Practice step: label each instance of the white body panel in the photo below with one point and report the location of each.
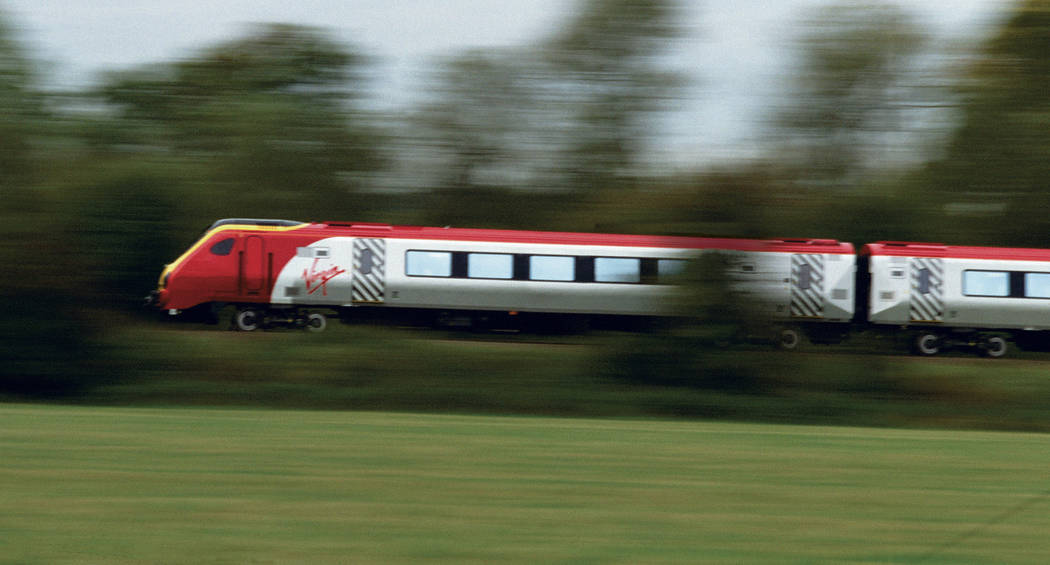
(321, 274)
(527, 296)
(892, 294)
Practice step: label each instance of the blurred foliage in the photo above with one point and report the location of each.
(693, 352)
(990, 184)
(45, 340)
(851, 97)
(100, 188)
(264, 123)
(368, 368)
(567, 119)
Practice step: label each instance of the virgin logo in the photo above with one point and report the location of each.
(318, 279)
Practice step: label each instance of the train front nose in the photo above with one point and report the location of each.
(157, 298)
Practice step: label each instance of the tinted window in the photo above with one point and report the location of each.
(924, 281)
(366, 262)
(986, 283)
(1037, 285)
(805, 277)
(490, 266)
(552, 268)
(669, 268)
(615, 269)
(223, 247)
(428, 263)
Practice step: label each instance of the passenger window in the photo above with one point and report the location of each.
(490, 266)
(986, 283)
(428, 264)
(668, 269)
(223, 247)
(615, 269)
(1037, 285)
(552, 268)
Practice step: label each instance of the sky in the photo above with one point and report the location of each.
(735, 54)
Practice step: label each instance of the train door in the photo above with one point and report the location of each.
(927, 290)
(369, 271)
(253, 265)
(807, 285)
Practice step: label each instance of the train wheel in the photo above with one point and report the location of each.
(789, 339)
(248, 320)
(927, 344)
(994, 347)
(316, 322)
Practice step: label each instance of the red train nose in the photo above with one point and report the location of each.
(160, 298)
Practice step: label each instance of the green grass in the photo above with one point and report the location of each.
(132, 485)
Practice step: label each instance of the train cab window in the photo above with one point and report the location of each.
(552, 268)
(490, 266)
(986, 283)
(1037, 285)
(223, 247)
(617, 269)
(428, 264)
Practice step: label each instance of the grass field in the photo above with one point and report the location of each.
(125, 485)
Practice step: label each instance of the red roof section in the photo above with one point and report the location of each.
(329, 229)
(916, 249)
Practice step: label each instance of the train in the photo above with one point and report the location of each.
(289, 273)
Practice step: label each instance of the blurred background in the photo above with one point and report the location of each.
(127, 129)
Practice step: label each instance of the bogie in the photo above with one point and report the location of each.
(928, 343)
(251, 318)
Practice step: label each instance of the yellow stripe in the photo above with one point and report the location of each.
(229, 227)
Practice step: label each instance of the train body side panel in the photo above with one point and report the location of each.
(965, 282)
(317, 273)
(890, 296)
(408, 291)
(977, 293)
(840, 273)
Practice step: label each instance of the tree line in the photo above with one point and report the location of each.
(880, 134)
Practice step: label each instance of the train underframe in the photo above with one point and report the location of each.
(787, 335)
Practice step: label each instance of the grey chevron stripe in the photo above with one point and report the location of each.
(927, 290)
(807, 286)
(369, 265)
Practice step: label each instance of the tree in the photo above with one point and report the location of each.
(20, 107)
(607, 62)
(547, 126)
(268, 122)
(44, 339)
(853, 100)
(991, 182)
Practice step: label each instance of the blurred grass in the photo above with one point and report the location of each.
(386, 369)
(132, 485)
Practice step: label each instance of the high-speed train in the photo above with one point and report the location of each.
(281, 272)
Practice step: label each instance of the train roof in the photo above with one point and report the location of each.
(919, 249)
(349, 229)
